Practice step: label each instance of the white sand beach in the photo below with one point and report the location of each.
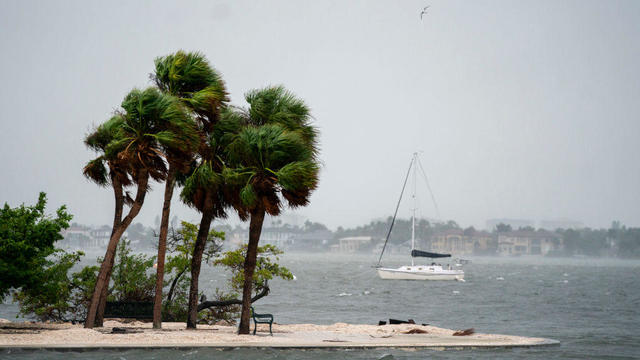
(291, 335)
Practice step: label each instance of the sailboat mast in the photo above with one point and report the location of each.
(413, 219)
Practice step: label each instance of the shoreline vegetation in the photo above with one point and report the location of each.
(135, 334)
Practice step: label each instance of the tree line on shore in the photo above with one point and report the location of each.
(615, 241)
(48, 284)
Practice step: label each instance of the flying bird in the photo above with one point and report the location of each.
(424, 11)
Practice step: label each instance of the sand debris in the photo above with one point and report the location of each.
(465, 332)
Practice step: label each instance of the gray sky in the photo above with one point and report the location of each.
(522, 109)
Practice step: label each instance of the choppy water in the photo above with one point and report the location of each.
(592, 306)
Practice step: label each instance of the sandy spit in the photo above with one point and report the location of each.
(289, 335)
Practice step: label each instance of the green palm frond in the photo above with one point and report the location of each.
(267, 146)
(208, 100)
(104, 134)
(168, 139)
(298, 175)
(156, 127)
(184, 74)
(248, 196)
(236, 177)
(275, 104)
(203, 179)
(114, 148)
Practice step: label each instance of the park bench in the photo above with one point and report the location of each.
(261, 319)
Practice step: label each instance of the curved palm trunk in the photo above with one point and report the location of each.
(255, 228)
(162, 247)
(107, 263)
(196, 261)
(117, 219)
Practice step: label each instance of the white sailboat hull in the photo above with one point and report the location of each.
(420, 273)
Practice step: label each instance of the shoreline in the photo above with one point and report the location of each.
(68, 337)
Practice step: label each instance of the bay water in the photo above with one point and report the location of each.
(592, 306)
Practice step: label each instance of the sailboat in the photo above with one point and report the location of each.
(431, 271)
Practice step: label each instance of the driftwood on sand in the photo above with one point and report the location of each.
(464, 332)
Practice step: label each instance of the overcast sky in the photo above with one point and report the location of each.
(525, 109)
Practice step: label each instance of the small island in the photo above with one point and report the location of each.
(175, 335)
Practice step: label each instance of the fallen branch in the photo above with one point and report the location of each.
(464, 332)
(207, 304)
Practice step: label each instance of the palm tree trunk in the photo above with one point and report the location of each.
(117, 219)
(162, 247)
(255, 228)
(107, 263)
(196, 260)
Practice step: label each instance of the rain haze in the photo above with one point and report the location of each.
(520, 109)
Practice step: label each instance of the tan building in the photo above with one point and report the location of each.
(516, 243)
(456, 242)
(451, 242)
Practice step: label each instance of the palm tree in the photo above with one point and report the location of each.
(104, 171)
(137, 145)
(201, 89)
(188, 77)
(273, 158)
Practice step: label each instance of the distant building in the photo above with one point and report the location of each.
(514, 223)
(101, 235)
(516, 243)
(84, 237)
(311, 240)
(278, 237)
(76, 236)
(451, 241)
(456, 242)
(561, 224)
(285, 238)
(354, 243)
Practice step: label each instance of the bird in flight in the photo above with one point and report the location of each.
(424, 11)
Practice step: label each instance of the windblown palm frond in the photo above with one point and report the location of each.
(183, 72)
(96, 171)
(205, 190)
(100, 141)
(269, 160)
(154, 124)
(276, 105)
(191, 78)
(104, 134)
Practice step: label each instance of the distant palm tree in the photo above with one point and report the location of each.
(138, 143)
(272, 157)
(201, 89)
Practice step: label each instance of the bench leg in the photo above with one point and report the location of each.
(255, 327)
(270, 329)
